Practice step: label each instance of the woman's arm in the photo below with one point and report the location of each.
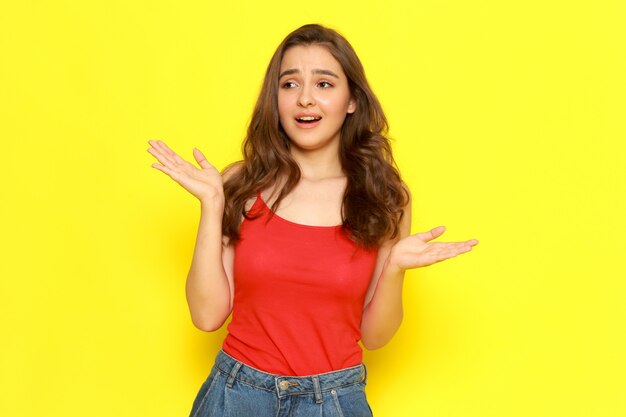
(383, 312)
(209, 286)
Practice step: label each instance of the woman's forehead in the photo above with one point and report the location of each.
(309, 58)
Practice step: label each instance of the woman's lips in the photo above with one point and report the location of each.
(307, 125)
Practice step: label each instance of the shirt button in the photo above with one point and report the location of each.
(283, 385)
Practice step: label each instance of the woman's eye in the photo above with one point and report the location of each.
(291, 84)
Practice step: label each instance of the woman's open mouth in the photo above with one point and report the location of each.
(307, 122)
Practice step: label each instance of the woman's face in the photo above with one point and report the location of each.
(313, 97)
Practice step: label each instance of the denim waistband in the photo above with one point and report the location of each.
(288, 385)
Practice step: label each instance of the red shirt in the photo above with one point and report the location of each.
(299, 295)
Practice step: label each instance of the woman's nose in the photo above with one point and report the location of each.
(305, 98)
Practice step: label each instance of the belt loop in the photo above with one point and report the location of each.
(317, 389)
(364, 377)
(233, 372)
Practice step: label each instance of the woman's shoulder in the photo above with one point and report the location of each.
(407, 190)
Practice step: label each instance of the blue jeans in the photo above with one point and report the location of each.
(234, 389)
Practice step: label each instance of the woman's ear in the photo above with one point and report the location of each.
(351, 105)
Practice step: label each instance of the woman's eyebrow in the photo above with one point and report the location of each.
(315, 71)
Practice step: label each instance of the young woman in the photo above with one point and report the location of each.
(306, 240)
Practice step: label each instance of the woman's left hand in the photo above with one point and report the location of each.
(415, 251)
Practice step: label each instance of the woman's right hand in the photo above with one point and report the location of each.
(204, 183)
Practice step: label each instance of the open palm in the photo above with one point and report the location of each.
(417, 251)
(204, 183)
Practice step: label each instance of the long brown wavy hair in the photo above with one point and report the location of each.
(375, 196)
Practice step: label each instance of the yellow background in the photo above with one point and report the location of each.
(508, 126)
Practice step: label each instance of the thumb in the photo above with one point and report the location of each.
(432, 234)
(201, 159)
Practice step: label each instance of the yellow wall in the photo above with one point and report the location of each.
(508, 120)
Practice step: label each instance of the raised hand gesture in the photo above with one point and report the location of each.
(415, 251)
(204, 183)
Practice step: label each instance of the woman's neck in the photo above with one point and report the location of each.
(318, 164)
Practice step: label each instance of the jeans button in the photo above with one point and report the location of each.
(283, 385)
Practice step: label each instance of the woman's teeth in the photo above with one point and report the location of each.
(308, 119)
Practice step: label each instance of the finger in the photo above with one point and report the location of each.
(432, 234)
(463, 249)
(160, 150)
(459, 247)
(458, 251)
(162, 168)
(442, 256)
(163, 159)
(448, 250)
(465, 246)
(173, 174)
(445, 255)
(166, 149)
(170, 153)
(156, 145)
(455, 245)
(174, 159)
(202, 161)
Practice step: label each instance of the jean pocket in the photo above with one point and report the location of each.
(203, 394)
(351, 401)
